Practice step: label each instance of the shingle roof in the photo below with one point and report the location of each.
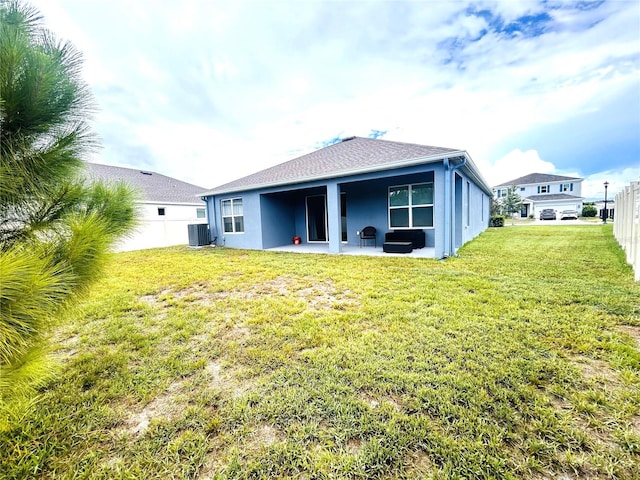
(153, 186)
(533, 178)
(553, 196)
(352, 155)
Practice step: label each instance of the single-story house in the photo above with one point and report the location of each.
(611, 208)
(166, 207)
(540, 191)
(330, 195)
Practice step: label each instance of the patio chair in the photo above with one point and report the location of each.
(368, 233)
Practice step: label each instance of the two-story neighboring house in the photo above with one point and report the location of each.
(540, 190)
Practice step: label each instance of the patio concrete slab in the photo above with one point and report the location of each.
(353, 250)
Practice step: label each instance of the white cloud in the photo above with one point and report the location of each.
(593, 185)
(209, 92)
(510, 10)
(516, 164)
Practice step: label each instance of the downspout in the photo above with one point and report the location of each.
(449, 205)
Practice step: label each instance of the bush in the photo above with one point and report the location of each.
(589, 211)
(497, 221)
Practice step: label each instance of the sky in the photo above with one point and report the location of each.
(210, 91)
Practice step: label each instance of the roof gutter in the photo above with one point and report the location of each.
(473, 172)
(354, 171)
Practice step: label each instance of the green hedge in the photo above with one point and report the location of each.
(589, 211)
(497, 221)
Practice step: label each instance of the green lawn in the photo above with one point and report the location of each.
(519, 359)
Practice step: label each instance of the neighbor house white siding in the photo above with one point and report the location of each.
(155, 230)
(541, 195)
(557, 205)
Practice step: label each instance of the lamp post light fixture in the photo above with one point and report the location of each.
(605, 214)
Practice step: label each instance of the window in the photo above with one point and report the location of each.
(161, 211)
(232, 216)
(411, 206)
(566, 187)
(522, 189)
(201, 213)
(544, 189)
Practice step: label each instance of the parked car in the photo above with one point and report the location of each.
(569, 214)
(548, 214)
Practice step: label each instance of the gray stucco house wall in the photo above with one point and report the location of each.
(329, 195)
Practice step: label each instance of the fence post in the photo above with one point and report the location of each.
(627, 225)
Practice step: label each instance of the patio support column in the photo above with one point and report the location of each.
(334, 222)
(447, 208)
(450, 192)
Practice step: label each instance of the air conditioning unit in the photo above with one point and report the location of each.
(198, 234)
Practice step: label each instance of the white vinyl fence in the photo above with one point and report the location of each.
(627, 225)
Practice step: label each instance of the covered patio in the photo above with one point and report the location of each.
(427, 252)
(325, 199)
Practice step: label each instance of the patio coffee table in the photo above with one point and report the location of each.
(397, 247)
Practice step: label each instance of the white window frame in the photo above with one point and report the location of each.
(201, 212)
(233, 216)
(410, 205)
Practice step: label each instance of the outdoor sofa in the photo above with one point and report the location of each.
(403, 241)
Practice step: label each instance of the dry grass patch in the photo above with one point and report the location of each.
(227, 380)
(154, 299)
(167, 406)
(635, 424)
(265, 436)
(212, 467)
(68, 346)
(380, 401)
(633, 331)
(597, 370)
(419, 465)
(321, 295)
(237, 333)
(354, 446)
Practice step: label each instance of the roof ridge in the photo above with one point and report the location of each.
(357, 155)
(406, 143)
(533, 178)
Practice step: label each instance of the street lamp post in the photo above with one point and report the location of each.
(605, 213)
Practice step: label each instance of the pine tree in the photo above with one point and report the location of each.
(56, 228)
